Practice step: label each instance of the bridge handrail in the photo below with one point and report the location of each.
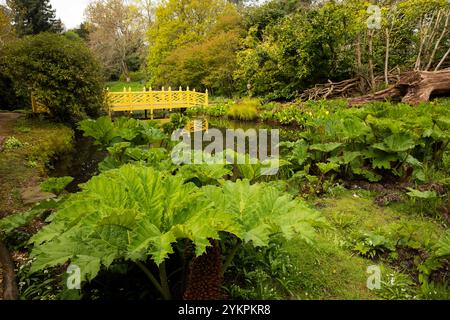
(153, 100)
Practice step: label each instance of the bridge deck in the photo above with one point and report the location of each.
(155, 100)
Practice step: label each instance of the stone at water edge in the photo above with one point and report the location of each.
(34, 194)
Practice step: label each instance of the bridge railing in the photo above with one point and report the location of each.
(156, 100)
(38, 107)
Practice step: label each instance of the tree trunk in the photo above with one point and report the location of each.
(359, 68)
(386, 61)
(438, 42)
(413, 88)
(442, 60)
(205, 279)
(371, 65)
(10, 291)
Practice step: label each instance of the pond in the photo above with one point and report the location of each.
(82, 163)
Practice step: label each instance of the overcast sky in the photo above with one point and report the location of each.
(70, 11)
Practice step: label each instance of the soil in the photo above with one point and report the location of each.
(7, 121)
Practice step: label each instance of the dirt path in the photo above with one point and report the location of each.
(8, 287)
(7, 121)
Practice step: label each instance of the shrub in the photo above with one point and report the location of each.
(13, 143)
(61, 73)
(291, 115)
(246, 110)
(219, 110)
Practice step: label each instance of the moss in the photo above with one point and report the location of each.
(351, 214)
(331, 269)
(26, 166)
(328, 271)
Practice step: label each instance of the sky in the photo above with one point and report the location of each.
(71, 12)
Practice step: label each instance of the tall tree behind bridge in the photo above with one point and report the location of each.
(179, 23)
(6, 30)
(33, 17)
(116, 35)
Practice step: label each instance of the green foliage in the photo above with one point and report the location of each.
(398, 286)
(107, 133)
(246, 110)
(56, 185)
(119, 86)
(209, 63)
(62, 74)
(135, 77)
(287, 52)
(137, 213)
(369, 142)
(266, 273)
(205, 174)
(290, 115)
(421, 195)
(179, 120)
(371, 245)
(443, 246)
(33, 17)
(262, 211)
(13, 143)
(219, 110)
(12, 222)
(195, 49)
(266, 116)
(193, 112)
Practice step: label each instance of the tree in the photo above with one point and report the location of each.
(7, 33)
(61, 73)
(209, 64)
(116, 35)
(33, 17)
(180, 23)
(295, 51)
(82, 31)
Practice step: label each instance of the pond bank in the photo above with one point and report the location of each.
(27, 146)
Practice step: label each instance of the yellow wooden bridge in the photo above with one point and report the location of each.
(131, 101)
(150, 101)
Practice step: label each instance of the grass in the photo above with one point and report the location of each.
(331, 268)
(246, 110)
(26, 165)
(118, 86)
(328, 272)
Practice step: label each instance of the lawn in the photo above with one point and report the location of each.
(118, 86)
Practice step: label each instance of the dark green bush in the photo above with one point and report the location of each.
(61, 73)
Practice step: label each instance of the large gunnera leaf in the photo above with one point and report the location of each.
(260, 211)
(135, 213)
(129, 213)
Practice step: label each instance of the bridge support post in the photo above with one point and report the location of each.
(170, 99)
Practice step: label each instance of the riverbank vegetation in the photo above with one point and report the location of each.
(359, 187)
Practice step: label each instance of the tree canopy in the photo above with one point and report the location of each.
(33, 16)
(60, 72)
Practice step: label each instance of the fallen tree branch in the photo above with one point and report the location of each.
(413, 87)
(346, 88)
